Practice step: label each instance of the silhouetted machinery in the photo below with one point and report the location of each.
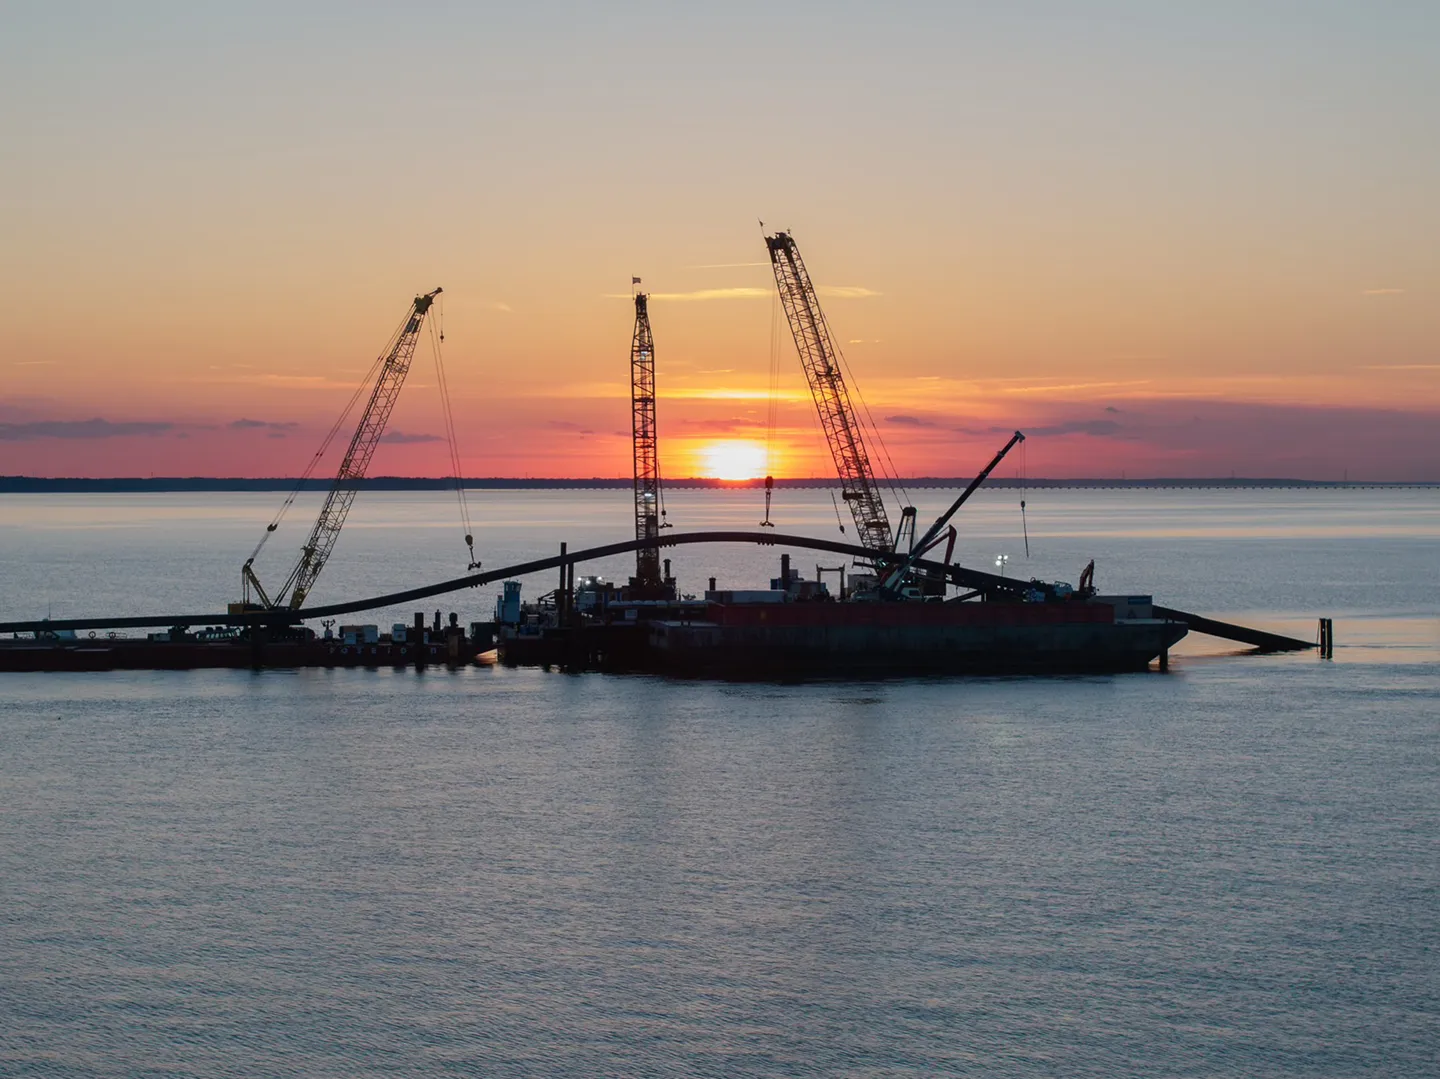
(821, 361)
(844, 429)
(648, 582)
(394, 365)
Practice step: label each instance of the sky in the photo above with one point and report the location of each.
(1162, 239)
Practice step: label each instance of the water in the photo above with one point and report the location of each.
(1230, 870)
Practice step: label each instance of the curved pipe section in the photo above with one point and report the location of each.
(973, 579)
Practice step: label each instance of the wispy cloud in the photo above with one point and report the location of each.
(1383, 292)
(256, 425)
(404, 438)
(80, 429)
(497, 305)
(584, 390)
(31, 363)
(749, 292)
(733, 425)
(743, 292)
(737, 293)
(1401, 367)
(294, 382)
(909, 421)
(725, 265)
(698, 393)
(864, 341)
(1071, 386)
(1098, 428)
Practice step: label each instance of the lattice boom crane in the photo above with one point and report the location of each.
(649, 510)
(821, 360)
(394, 366)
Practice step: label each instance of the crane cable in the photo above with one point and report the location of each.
(773, 405)
(890, 472)
(659, 481)
(1024, 477)
(660, 489)
(324, 446)
(437, 337)
(817, 424)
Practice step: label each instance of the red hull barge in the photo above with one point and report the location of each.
(769, 640)
(786, 640)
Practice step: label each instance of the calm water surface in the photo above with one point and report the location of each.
(1229, 870)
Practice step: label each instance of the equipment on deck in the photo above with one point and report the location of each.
(896, 576)
(394, 365)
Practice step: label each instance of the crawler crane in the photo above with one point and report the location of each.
(394, 365)
(649, 499)
(843, 429)
(821, 361)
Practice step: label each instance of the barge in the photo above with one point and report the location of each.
(779, 639)
(798, 629)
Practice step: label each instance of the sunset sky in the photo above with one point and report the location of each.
(1163, 239)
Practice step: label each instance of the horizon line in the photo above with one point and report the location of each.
(19, 483)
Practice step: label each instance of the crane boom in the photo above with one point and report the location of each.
(393, 369)
(647, 461)
(821, 361)
(896, 576)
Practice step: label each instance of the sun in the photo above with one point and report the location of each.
(733, 459)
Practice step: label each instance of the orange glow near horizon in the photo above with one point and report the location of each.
(731, 459)
(1139, 295)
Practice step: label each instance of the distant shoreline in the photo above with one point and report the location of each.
(174, 484)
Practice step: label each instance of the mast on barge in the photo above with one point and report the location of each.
(649, 499)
